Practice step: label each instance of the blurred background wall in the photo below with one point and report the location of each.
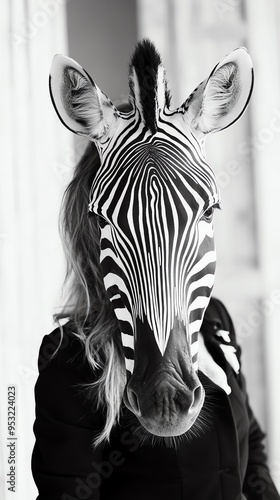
(38, 156)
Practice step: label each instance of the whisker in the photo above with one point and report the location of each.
(205, 420)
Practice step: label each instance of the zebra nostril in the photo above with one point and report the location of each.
(134, 403)
(197, 397)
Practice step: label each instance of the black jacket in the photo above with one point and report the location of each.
(225, 462)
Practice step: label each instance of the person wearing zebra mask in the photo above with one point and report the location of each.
(140, 395)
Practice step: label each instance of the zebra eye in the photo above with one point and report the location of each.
(208, 214)
(102, 221)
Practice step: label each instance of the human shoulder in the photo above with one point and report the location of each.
(60, 346)
(218, 316)
(62, 361)
(68, 419)
(219, 336)
(64, 376)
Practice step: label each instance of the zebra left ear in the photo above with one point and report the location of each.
(223, 97)
(79, 103)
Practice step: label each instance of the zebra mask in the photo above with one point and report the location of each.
(154, 195)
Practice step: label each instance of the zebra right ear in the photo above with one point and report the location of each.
(223, 97)
(79, 103)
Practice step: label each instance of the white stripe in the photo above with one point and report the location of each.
(123, 315)
(194, 327)
(127, 340)
(195, 366)
(115, 297)
(129, 364)
(199, 303)
(107, 252)
(208, 258)
(194, 348)
(207, 280)
(113, 279)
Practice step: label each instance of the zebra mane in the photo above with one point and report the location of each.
(148, 84)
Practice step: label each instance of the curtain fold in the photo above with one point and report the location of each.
(34, 168)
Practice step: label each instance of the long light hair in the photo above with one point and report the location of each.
(87, 305)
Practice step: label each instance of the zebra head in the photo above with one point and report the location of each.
(154, 195)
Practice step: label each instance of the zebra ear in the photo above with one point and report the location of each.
(223, 97)
(79, 103)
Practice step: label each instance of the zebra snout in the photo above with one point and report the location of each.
(167, 408)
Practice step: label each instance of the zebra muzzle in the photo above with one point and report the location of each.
(164, 392)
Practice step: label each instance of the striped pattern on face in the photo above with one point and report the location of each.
(157, 249)
(154, 194)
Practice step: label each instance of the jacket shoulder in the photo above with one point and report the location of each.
(64, 373)
(220, 337)
(67, 418)
(218, 316)
(59, 346)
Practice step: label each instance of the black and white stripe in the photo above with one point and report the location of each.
(154, 187)
(157, 254)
